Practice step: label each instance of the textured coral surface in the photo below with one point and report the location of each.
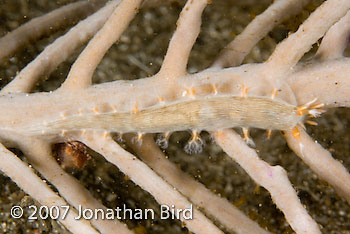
(139, 54)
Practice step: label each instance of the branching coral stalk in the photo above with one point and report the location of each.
(117, 93)
(283, 59)
(91, 109)
(335, 41)
(67, 186)
(321, 162)
(44, 25)
(234, 52)
(37, 188)
(188, 27)
(273, 178)
(327, 78)
(59, 51)
(80, 75)
(137, 170)
(231, 217)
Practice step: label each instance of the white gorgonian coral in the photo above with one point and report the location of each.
(33, 121)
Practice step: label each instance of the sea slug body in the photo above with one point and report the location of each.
(209, 113)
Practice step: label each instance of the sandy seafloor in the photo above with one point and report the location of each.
(145, 43)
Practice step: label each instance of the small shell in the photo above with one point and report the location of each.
(71, 155)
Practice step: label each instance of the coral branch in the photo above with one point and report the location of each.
(310, 82)
(58, 51)
(44, 25)
(26, 179)
(321, 162)
(41, 159)
(117, 93)
(273, 178)
(174, 100)
(137, 171)
(283, 58)
(336, 40)
(80, 75)
(231, 217)
(234, 53)
(188, 27)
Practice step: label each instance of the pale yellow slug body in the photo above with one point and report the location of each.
(210, 113)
